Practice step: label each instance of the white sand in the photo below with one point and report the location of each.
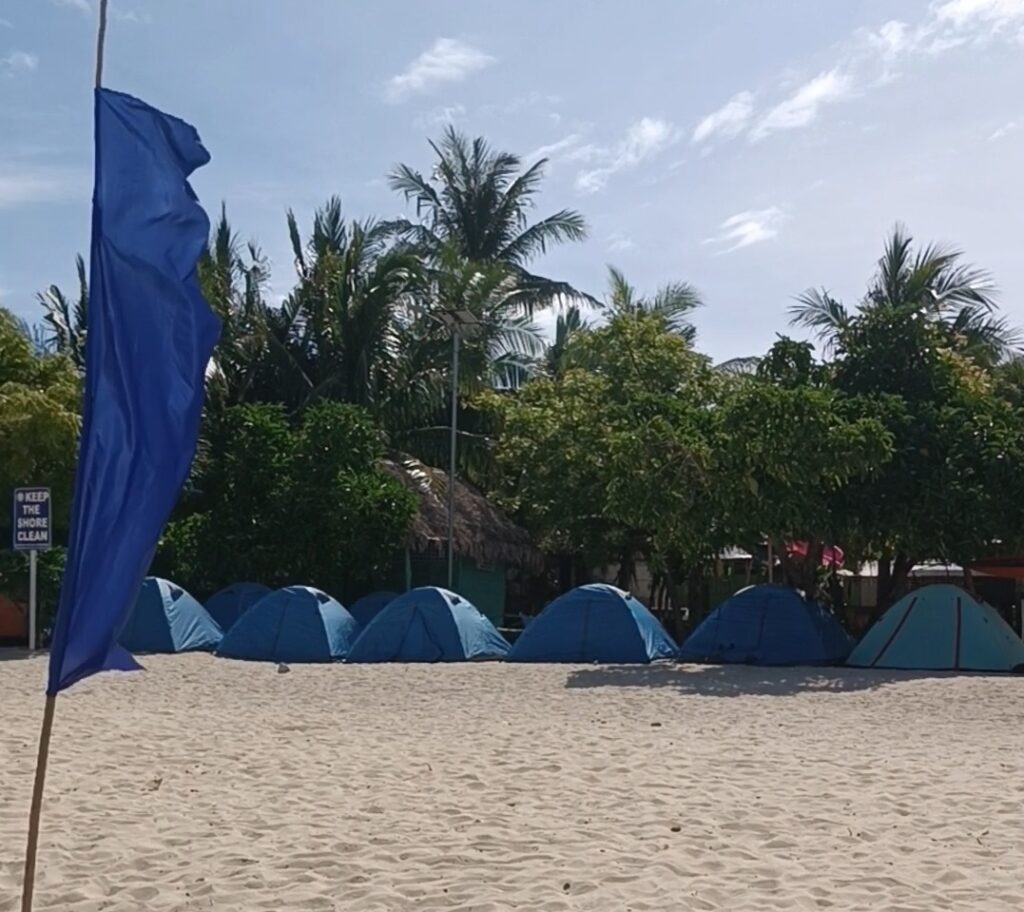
(208, 784)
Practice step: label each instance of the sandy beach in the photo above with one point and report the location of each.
(210, 784)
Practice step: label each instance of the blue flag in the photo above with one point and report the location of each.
(150, 336)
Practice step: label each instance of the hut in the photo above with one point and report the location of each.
(488, 545)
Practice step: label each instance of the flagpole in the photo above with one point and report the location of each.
(28, 884)
(50, 706)
(101, 35)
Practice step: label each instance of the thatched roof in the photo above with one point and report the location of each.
(482, 531)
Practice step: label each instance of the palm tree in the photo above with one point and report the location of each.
(339, 334)
(233, 278)
(674, 303)
(569, 325)
(66, 319)
(930, 283)
(476, 201)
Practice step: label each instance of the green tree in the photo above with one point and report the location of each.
(610, 461)
(787, 448)
(39, 423)
(674, 303)
(283, 504)
(477, 202)
(919, 354)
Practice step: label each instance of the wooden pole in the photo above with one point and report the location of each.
(101, 35)
(28, 884)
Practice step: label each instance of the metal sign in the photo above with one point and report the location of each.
(31, 525)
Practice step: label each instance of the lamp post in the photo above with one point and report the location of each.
(457, 321)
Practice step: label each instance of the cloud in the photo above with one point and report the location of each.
(437, 118)
(995, 15)
(6, 23)
(643, 140)
(1006, 129)
(802, 107)
(18, 62)
(128, 15)
(82, 6)
(619, 242)
(746, 228)
(558, 149)
(891, 39)
(954, 23)
(729, 120)
(22, 185)
(447, 60)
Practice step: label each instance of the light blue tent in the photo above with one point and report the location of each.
(940, 628)
(428, 625)
(768, 625)
(594, 623)
(228, 605)
(294, 624)
(167, 619)
(365, 609)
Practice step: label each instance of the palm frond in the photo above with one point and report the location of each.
(819, 312)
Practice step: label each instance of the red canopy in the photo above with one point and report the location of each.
(831, 555)
(1003, 567)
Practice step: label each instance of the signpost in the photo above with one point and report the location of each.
(33, 532)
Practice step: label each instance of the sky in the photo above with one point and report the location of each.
(752, 149)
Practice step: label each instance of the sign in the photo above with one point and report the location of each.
(31, 523)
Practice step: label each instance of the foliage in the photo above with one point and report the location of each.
(284, 504)
(610, 459)
(476, 202)
(39, 401)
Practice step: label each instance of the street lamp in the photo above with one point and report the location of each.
(456, 320)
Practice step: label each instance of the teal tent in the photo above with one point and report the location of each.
(365, 609)
(940, 628)
(167, 619)
(228, 605)
(768, 625)
(594, 623)
(294, 624)
(428, 625)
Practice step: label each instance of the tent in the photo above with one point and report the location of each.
(167, 619)
(228, 605)
(428, 625)
(594, 623)
(768, 625)
(365, 609)
(940, 628)
(294, 624)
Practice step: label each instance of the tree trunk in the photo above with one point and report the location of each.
(675, 609)
(893, 579)
(694, 602)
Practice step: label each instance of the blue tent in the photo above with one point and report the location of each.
(428, 625)
(228, 605)
(365, 609)
(595, 623)
(768, 625)
(167, 619)
(294, 624)
(940, 628)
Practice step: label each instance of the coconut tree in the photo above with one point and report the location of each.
(65, 319)
(674, 303)
(931, 283)
(338, 334)
(476, 201)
